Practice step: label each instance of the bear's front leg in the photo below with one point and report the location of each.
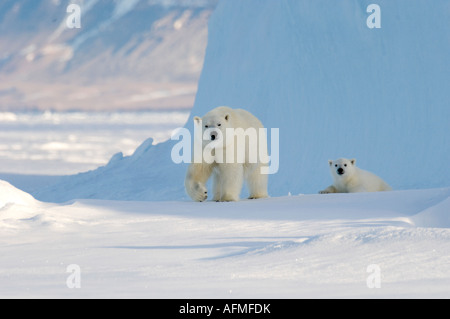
(229, 179)
(328, 190)
(197, 191)
(195, 181)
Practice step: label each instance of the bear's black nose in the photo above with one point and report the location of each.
(340, 171)
(213, 137)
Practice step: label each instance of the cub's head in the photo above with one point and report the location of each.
(342, 167)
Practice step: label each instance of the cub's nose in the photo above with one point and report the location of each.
(340, 171)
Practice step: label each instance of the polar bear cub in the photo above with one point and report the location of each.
(350, 179)
(229, 162)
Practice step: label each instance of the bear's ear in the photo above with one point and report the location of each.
(330, 162)
(353, 161)
(226, 117)
(197, 120)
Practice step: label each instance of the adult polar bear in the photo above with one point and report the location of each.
(351, 179)
(231, 158)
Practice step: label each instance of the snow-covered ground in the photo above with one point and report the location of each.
(368, 245)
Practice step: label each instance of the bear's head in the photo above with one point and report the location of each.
(342, 167)
(214, 124)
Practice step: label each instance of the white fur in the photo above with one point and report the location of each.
(353, 179)
(228, 178)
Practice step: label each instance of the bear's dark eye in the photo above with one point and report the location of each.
(206, 126)
(335, 165)
(345, 165)
(219, 124)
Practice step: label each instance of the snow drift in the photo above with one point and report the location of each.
(307, 246)
(9, 195)
(17, 206)
(333, 87)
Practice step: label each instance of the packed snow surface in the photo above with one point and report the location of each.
(286, 247)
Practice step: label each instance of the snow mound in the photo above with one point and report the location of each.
(434, 216)
(21, 211)
(9, 195)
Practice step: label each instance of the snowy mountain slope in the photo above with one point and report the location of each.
(122, 51)
(308, 246)
(333, 87)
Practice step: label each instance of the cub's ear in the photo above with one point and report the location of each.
(330, 162)
(353, 161)
(227, 117)
(197, 120)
